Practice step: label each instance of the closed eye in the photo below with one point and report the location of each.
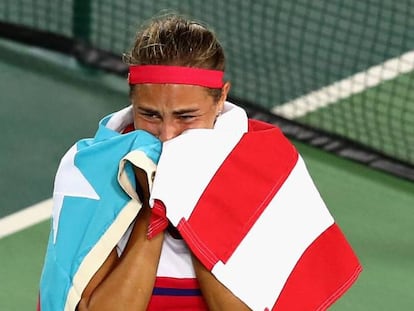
(187, 117)
(150, 115)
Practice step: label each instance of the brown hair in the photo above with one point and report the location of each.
(174, 40)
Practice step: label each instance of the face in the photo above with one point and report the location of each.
(166, 110)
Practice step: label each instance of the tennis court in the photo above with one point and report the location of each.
(344, 67)
(44, 93)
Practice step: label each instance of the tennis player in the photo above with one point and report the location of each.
(228, 216)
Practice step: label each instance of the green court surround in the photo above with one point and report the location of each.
(43, 94)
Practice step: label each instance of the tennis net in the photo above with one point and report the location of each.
(340, 68)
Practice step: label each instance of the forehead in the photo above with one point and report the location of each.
(177, 95)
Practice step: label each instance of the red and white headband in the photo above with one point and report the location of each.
(160, 74)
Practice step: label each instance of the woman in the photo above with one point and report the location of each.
(164, 110)
(170, 257)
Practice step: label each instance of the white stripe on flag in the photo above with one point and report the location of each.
(190, 157)
(294, 218)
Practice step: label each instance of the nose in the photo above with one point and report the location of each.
(168, 130)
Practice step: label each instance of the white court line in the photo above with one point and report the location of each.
(25, 218)
(298, 107)
(354, 84)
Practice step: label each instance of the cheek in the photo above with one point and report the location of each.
(211, 120)
(141, 124)
(206, 122)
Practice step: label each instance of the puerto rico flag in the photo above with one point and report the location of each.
(95, 201)
(239, 194)
(244, 202)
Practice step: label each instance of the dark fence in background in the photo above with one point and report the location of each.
(337, 74)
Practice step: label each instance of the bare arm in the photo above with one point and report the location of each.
(126, 283)
(216, 295)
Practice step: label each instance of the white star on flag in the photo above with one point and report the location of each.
(75, 185)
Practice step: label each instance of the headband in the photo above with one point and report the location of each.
(160, 74)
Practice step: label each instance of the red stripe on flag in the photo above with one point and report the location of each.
(158, 220)
(323, 273)
(238, 193)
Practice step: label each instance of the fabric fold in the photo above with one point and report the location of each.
(95, 202)
(240, 195)
(247, 200)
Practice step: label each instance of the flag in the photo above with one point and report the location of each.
(240, 195)
(94, 203)
(244, 202)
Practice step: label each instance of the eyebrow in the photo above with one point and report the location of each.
(185, 111)
(147, 110)
(176, 112)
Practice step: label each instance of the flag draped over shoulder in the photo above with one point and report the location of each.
(239, 194)
(94, 203)
(248, 209)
